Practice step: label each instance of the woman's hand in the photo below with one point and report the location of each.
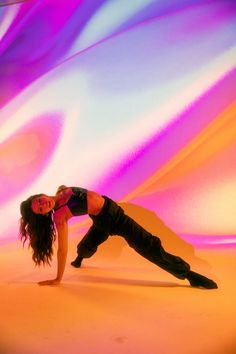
(49, 282)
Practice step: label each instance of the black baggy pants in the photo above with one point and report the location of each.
(113, 221)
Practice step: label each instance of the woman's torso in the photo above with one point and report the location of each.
(75, 201)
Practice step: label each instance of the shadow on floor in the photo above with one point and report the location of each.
(131, 282)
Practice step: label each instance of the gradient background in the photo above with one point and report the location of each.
(134, 99)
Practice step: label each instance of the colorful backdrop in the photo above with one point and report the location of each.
(135, 99)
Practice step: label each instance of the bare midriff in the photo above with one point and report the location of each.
(95, 203)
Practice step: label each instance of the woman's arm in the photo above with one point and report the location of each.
(62, 232)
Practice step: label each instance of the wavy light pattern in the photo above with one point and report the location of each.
(135, 100)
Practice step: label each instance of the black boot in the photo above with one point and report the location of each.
(198, 280)
(77, 262)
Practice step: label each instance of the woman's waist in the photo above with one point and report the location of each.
(95, 202)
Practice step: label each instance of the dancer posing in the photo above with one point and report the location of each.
(44, 217)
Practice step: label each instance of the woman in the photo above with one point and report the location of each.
(43, 217)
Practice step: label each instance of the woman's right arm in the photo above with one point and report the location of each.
(62, 233)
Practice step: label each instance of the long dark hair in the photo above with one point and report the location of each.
(39, 230)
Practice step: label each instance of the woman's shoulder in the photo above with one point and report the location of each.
(61, 188)
(60, 217)
(61, 213)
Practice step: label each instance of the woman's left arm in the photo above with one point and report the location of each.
(62, 232)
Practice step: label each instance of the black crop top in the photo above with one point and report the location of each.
(77, 203)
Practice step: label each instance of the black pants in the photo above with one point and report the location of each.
(113, 221)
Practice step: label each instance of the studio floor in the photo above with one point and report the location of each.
(117, 302)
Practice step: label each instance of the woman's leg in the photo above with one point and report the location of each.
(89, 244)
(114, 221)
(149, 246)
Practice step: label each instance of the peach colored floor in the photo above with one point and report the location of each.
(117, 303)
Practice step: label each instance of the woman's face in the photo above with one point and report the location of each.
(42, 204)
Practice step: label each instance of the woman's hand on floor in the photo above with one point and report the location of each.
(49, 282)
